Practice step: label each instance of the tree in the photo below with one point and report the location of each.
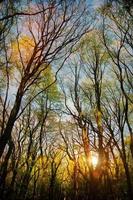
(57, 28)
(118, 45)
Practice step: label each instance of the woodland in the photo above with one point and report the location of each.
(66, 100)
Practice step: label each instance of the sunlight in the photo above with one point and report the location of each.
(94, 160)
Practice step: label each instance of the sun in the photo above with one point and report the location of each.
(94, 160)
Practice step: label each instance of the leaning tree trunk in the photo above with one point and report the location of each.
(12, 118)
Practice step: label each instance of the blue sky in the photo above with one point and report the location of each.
(95, 3)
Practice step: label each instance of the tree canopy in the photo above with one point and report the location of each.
(66, 100)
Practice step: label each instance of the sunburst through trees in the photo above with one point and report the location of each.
(66, 100)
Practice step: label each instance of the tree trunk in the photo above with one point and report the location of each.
(12, 118)
(4, 169)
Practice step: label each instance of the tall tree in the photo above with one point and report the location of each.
(55, 27)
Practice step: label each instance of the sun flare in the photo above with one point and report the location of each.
(94, 160)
